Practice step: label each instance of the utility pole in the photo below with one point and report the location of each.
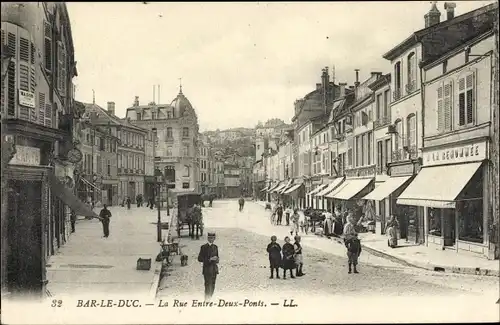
(496, 146)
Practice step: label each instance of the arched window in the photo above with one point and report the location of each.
(411, 127)
(399, 135)
(411, 73)
(397, 80)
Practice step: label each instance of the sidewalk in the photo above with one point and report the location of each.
(430, 258)
(424, 257)
(89, 263)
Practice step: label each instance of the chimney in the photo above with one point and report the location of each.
(136, 101)
(111, 108)
(318, 86)
(342, 88)
(154, 88)
(158, 94)
(433, 17)
(356, 84)
(450, 10)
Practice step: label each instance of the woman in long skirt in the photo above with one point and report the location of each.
(288, 258)
(391, 230)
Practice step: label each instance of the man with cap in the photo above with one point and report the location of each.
(209, 256)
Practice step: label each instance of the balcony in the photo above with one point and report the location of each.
(382, 121)
(405, 154)
(411, 87)
(396, 94)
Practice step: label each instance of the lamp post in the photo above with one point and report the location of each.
(158, 181)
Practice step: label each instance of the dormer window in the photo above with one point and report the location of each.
(139, 116)
(153, 115)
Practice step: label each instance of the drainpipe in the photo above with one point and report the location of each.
(422, 114)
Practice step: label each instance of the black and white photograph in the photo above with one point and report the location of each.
(250, 162)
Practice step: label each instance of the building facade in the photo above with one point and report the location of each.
(177, 132)
(38, 149)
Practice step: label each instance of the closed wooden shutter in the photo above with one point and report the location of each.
(440, 109)
(41, 105)
(11, 74)
(48, 47)
(48, 114)
(469, 83)
(448, 118)
(461, 101)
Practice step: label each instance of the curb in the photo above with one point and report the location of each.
(156, 281)
(428, 266)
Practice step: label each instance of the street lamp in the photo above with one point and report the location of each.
(158, 181)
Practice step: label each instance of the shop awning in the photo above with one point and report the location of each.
(63, 193)
(438, 186)
(317, 189)
(264, 189)
(292, 188)
(286, 187)
(89, 183)
(272, 187)
(386, 188)
(279, 188)
(333, 185)
(350, 188)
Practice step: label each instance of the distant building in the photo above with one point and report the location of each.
(177, 133)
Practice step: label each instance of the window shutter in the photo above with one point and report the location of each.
(48, 115)
(440, 109)
(11, 72)
(24, 50)
(461, 101)
(64, 73)
(33, 53)
(41, 105)
(470, 98)
(48, 46)
(448, 106)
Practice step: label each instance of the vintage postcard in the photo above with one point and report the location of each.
(249, 162)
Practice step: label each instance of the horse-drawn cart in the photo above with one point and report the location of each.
(189, 214)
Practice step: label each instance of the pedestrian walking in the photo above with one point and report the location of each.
(295, 223)
(73, 220)
(209, 256)
(105, 216)
(352, 244)
(241, 203)
(288, 262)
(298, 257)
(279, 213)
(391, 230)
(128, 202)
(138, 200)
(288, 213)
(274, 250)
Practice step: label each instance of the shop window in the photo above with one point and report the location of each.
(434, 224)
(470, 211)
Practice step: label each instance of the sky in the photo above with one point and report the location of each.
(240, 63)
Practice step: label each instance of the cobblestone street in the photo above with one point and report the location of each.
(244, 265)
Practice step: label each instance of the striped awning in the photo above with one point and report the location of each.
(350, 188)
(331, 187)
(317, 189)
(292, 188)
(272, 187)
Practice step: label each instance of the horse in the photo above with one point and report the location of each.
(195, 220)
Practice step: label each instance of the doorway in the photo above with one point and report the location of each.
(449, 227)
(24, 240)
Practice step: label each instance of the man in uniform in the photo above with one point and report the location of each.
(105, 216)
(209, 256)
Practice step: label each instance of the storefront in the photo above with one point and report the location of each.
(410, 217)
(311, 195)
(35, 219)
(292, 193)
(322, 195)
(348, 195)
(452, 187)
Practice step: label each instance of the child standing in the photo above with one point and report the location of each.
(274, 250)
(288, 258)
(298, 256)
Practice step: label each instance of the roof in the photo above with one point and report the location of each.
(433, 31)
(380, 82)
(110, 117)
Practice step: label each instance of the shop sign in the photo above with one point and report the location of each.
(406, 169)
(26, 98)
(455, 155)
(28, 156)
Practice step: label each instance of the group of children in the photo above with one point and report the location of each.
(288, 258)
(298, 219)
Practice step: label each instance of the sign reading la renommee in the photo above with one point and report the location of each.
(455, 155)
